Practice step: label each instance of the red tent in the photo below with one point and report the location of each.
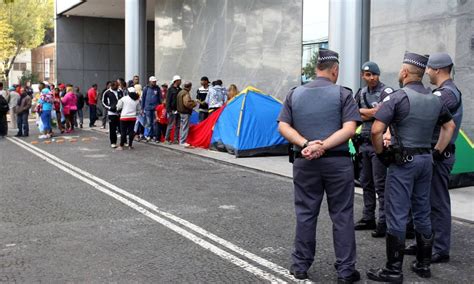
(200, 134)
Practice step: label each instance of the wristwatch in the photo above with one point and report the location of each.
(305, 144)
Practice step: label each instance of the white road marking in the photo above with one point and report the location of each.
(92, 180)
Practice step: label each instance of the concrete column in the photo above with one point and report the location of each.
(135, 40)
(349, 27)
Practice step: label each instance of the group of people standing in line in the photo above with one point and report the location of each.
(407, 148)
(62, 106)
(153, 113)
(147, 113)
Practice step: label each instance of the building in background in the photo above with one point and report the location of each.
(425, 27)
(22, 64)
(260, 43)
(242, 42)
(43, 60)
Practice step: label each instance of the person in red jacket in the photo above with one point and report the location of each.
(162, 120)
(92, 102)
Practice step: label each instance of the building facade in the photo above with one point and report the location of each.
(43, 60)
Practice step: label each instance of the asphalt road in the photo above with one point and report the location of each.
(82, 212)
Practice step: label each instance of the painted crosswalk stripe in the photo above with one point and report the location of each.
(117, 193)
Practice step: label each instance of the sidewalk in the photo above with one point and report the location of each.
(462, 199)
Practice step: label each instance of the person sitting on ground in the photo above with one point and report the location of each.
(232, 91)
(185, 106)
(129, 107)
(217, 96)
(161, 120)
(69, 108)
(22, 111)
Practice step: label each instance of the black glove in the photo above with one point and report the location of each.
(386, 158)
(438, 156)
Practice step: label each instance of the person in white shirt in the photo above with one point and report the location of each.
(129, 107)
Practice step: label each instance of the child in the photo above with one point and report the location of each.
(162, 120)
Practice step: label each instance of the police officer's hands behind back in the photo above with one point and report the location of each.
(314, 150)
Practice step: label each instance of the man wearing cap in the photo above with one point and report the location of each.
(412, 114)
(172, 109)
(201, 95)
(439, 69)
(373, 172)
(318, 118)
(151, 97)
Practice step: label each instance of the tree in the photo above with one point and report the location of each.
(28, 77)
(25, 23)
(309, 69)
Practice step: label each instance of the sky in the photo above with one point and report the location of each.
(315, 19)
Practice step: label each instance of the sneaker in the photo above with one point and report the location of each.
(43, 136)
(185, 145)
(102, 127)
(148, 139)
(80, 125)
(113, 145)
(125, 145)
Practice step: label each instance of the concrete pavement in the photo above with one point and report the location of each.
(462, 199)
(59, 224)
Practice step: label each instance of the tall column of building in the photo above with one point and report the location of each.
(135, 39)
(349, 27)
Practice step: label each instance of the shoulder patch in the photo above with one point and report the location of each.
(437, 93)
(388, 90)
(386, 99)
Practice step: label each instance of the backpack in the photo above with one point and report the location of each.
(4, 108)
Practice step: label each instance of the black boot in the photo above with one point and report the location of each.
(421, 265)
(392, 272)
(380, 231)
(410, 231)
(365, 225)
(411, 249)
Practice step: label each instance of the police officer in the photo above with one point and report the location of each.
(372, 176)
(439, 70)
(412, 114)
(318, 118)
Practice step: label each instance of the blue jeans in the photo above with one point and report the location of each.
(22, 123)
(149, 123)
(79, 113)
(46, 119)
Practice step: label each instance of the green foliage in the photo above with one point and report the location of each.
(24, 25)
(28, 77)
(309, 69)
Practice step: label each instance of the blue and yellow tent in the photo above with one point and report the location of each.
(248, 126)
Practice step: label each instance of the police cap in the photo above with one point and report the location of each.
(371, 67)
(416, 60)
(326, 55)
(439, 60)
